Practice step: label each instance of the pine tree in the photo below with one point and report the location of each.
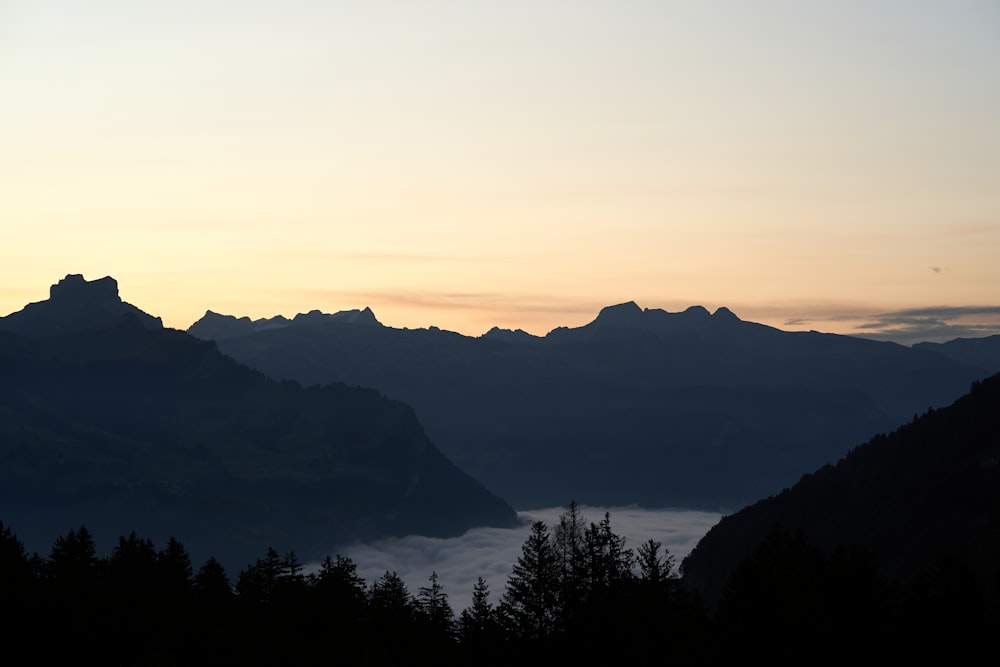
(530, 600)
(569, 540)
(610, 562)
(212, 587)
(72, 601)
(391, 621)
(19, 592)
(436, 611)
(72, 566)
(434, 605)
(174, 566)
(477, 624)
(257, 583)
(655, 568)
(390, 602)
(339, 590)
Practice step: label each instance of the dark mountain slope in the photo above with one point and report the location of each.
(121, 427)
(929, 489)
(692, 409)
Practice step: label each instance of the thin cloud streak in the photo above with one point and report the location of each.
(388, 257)
(490, 552)
(914, 325)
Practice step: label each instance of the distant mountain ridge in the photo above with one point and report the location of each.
(111, 421)
(643, 406)
(215, 326)
(980, 352)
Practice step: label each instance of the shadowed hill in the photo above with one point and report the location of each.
(118, 426)
(930, 489)
(644, 406)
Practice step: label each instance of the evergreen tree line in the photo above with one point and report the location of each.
(575, 592)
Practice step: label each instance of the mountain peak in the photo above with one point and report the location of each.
(696, 311)
(620, 314)
(725, 314)
(75, 287)
(509, 335)
(354, 316)
(75, 304)
(365, 316)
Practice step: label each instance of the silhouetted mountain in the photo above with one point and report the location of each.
(693, 409)
(119, 426)
(213, 326)
(980, 352)
(928, 491)
(75, 304)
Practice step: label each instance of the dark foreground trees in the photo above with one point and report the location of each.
(577, 593)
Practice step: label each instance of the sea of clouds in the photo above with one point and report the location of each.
(490, 552)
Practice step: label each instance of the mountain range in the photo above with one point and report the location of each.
(111, 421)
(640, 406)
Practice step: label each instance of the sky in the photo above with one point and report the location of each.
(809, 165)
(491, 552)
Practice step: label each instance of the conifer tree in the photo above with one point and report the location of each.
(174, 565)
(655, 567)
(340, 590)
(610, 562)
(390, 602)
(211, 585)
(435, 610)
(433, 601)
(569, 541)
(18, 590)
(72, 565)
(391, 621)
(530, 599)
(477, 624)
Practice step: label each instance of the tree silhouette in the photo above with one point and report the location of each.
(530, 601)
(655, 568)
(434, 605)
(572, 562)
(478, 624)
(212, 587)
(19, 594)
(71, 569)
(392, 618)
(339, 593)
(437, 617)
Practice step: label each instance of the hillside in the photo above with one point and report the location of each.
(929, 489)
(113, 423)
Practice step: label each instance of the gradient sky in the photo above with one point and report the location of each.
(811, 165)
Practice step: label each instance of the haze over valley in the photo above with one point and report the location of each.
(330, 331)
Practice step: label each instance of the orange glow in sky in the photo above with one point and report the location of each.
(520, 164)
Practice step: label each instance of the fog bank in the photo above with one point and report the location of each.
(490, 552)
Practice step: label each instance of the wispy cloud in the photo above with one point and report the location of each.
(390, 257)
(914, 325)
(966, 229)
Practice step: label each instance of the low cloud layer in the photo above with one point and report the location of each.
(490, 552)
